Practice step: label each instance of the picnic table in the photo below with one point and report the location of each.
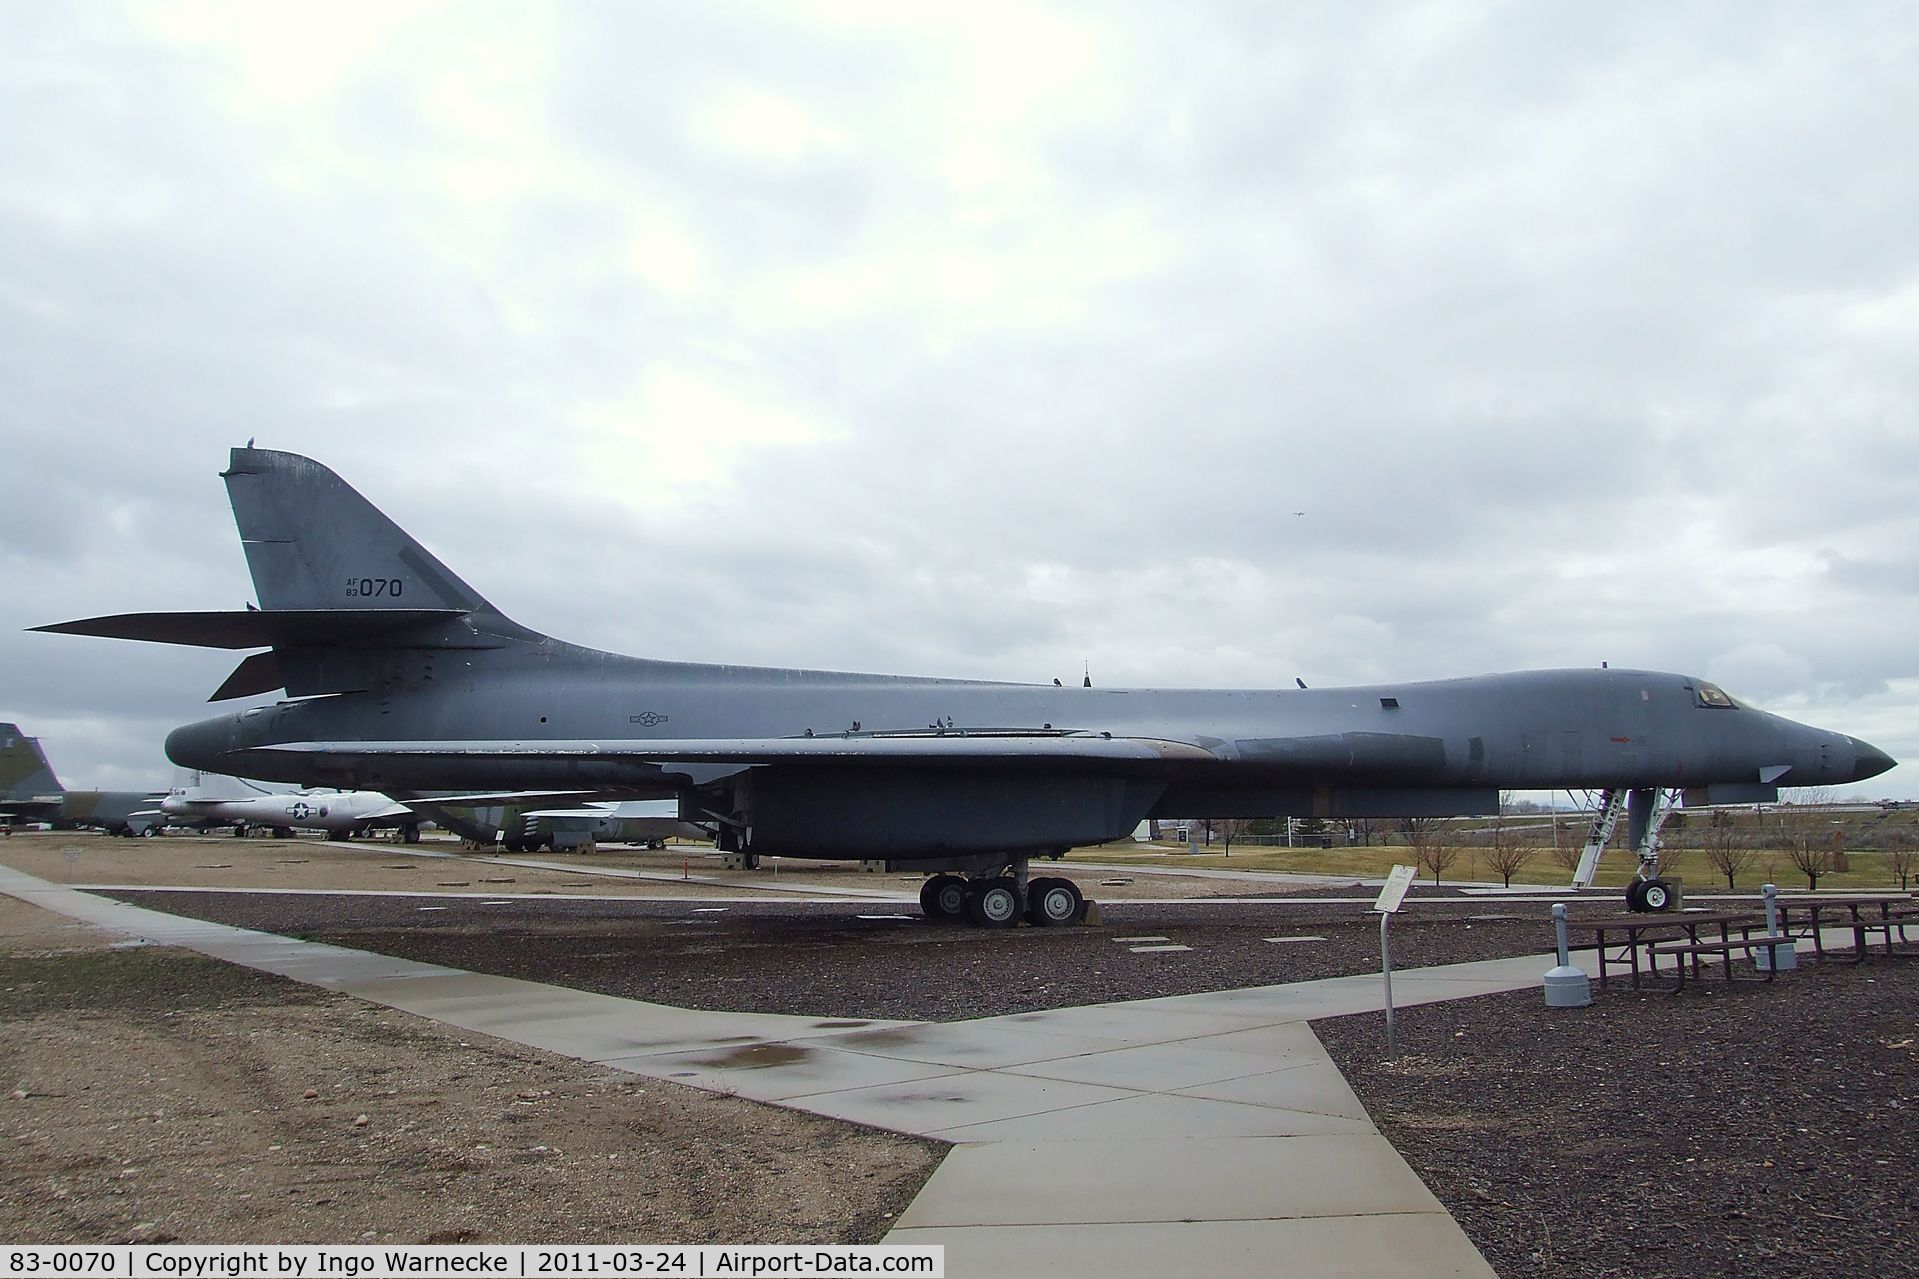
(1881, 913)
(1632, 932)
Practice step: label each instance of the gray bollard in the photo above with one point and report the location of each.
(1780, 958)
(1566, 985)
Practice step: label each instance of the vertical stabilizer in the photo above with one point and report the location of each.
(312, 542)
(24, 771)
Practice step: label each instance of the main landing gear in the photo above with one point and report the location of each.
(1645, 811)
(998, 901)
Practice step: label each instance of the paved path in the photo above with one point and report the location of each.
(1206, 1133)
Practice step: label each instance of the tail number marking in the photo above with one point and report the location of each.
(372, 587)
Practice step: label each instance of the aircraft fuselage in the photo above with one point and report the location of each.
(1446, 746)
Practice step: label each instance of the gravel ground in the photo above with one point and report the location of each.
(155, 1095)
(826, 961)
(439, 866)
(1766, 1130)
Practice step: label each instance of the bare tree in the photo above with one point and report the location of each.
(1435, 844)
(1567, 854)
(1363, 829)
(1904, 856)
(1727, 849)
(1506, 852)
(1229, 828)
(1802, 836)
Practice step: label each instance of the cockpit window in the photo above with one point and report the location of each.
(1713, 697)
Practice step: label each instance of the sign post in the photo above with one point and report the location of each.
(1391, 897)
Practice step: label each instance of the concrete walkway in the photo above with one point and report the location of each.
(1207, 1133)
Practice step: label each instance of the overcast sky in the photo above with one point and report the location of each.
(983, 340)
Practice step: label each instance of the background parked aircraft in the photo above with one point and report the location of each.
(522, 828)
(214, 799)
(29, 792)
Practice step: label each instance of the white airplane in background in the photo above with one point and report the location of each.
(209, 799)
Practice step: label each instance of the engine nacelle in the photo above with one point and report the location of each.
(906, 814)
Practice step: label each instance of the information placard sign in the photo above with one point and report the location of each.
(1394, 891)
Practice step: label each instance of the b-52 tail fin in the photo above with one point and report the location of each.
(24, 771)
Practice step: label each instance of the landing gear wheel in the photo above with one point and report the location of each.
(943, 898)
(1636, 896)
(1655, 894)
(1050, 902)
(993, 903)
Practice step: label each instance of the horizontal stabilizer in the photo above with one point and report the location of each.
(255, 628)
(258, 673)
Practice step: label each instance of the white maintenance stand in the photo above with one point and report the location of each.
(1391, 897)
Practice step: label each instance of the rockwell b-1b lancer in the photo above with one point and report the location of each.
(404, 679)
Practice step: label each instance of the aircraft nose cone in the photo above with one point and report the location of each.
(1869, 760)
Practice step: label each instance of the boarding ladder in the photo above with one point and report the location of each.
(1653, 808)
(1612, 807)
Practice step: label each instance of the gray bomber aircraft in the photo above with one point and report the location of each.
(29, 792)
(404, 679)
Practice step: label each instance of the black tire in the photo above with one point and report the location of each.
(1655, 895)
(1051, 902)
(992, 903)
(943, 898)
(410, 834)
(1636, 896)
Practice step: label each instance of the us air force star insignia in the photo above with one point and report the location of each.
(647, 719)
(300, 809)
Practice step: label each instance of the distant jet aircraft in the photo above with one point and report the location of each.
(212, 800)
(406, 679)
(523, 828)
(29, 792)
